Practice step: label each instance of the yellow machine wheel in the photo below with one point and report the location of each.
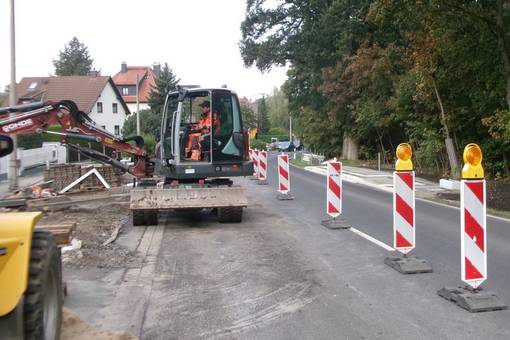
(43, 298)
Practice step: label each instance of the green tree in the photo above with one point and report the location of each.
(278, 111)
(263, 124)
(150, 124)
(166, 82)
(308, 36)
(249, 116)
(74, 60)
(386, 71)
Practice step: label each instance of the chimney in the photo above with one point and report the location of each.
(93, 73)
(156, 67)
(123, 67)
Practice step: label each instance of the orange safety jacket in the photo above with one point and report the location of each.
(204, 124)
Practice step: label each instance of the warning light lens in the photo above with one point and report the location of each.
(404, 152)
(472, 154)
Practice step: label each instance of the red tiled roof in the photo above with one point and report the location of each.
(83, 90)
(146, 77)
(129, 77)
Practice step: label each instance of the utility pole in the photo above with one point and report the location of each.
(290, 126)
(137, 108)
(13, 159)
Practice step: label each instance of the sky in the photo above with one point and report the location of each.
(197, 38)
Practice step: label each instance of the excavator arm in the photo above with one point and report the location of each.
(76, 125)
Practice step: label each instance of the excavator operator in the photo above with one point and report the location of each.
(199, 137)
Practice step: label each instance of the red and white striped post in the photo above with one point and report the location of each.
(473, 217)
(473, 247)
(404, 232)
(473, 239)
(262, 168)
(404, 215)
(283, 178)
(334, 195)
(255, 159)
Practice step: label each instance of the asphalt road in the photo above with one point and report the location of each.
(437, 226)
(281, 275)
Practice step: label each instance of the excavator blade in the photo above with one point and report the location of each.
(183, 197)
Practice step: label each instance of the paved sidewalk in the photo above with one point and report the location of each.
(382, 180)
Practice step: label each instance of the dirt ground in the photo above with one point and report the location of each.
(76, 329)
(96, 222)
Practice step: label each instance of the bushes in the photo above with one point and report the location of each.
(257, 144)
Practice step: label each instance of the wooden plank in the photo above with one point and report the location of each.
(63, 233)
(13, 203)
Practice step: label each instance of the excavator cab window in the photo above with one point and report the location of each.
(203, 137)
(195, 129)
(192, 128)
(225, 106)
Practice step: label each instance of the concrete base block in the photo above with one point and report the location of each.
(284, 197)
(472, 300)
(449, 184)
(254, 178)
(262, 182)
(335, 223)
(408, 265)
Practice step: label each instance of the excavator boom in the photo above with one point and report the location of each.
(76, 125)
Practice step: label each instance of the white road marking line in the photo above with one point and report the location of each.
(371, 239)
(502, 219)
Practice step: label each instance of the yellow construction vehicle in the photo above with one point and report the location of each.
(31, 292)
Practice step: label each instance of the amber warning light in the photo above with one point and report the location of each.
(472, 162)
(404, 154)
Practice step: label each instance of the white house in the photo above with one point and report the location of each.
(95, 95)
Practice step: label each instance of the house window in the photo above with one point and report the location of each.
(114, 108)
(117, 130)
(125, 91)
(99, 107)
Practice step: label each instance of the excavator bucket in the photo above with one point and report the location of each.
(183, 197)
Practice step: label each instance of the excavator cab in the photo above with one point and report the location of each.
(202, 135)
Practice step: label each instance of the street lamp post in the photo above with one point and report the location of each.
(13, 160)
(290, 127)
(137, 107)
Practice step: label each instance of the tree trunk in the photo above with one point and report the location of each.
(382, 147)
(349, 148)
(452, 156)
(441, 107)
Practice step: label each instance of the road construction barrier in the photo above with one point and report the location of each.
(404, 227)
(255, 155)
(473, 239)
(283, 174)
(334, 192)
(404, 232)
(252, 158)
(262, 168)
(473, 226)
(473, 218)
